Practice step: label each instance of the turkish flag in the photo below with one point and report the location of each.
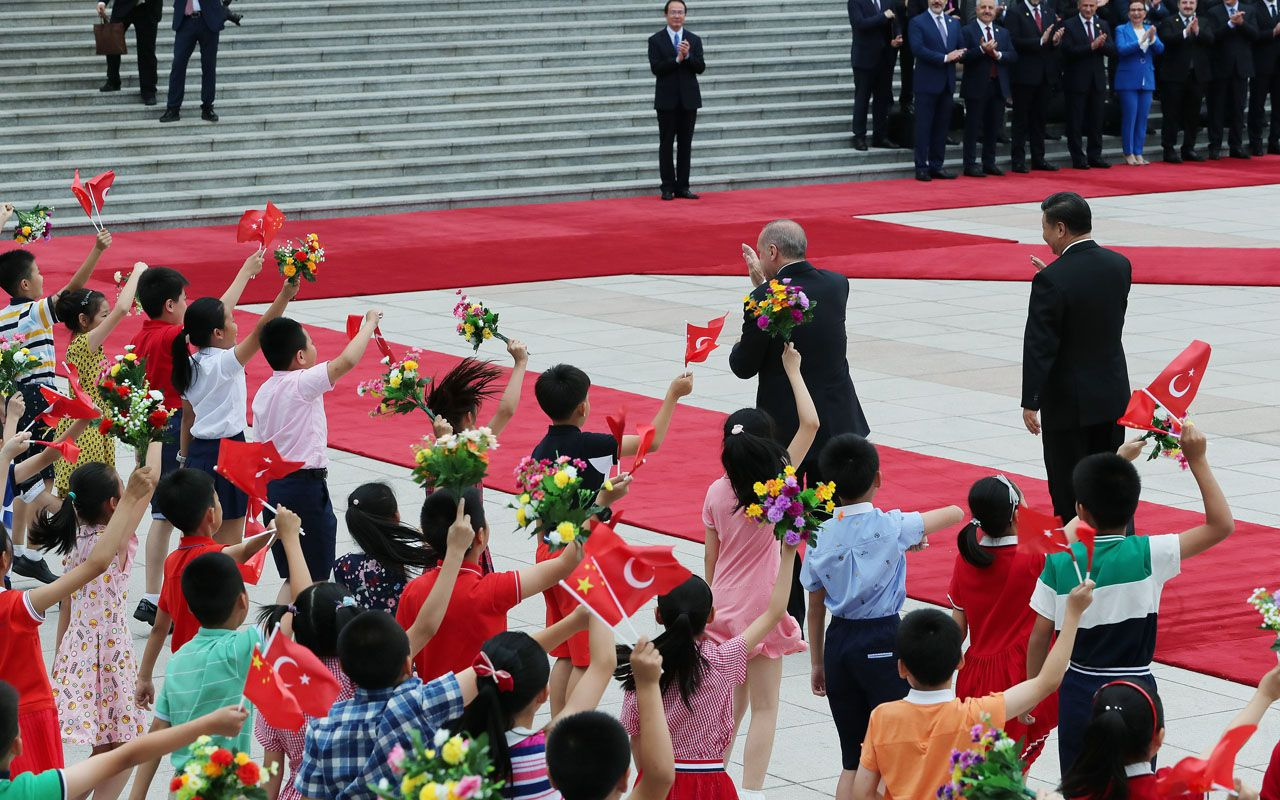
(1173, 389)
(700, 340)
(354, 321)
(68, 449)
(251, 570)
(1040, 534)
(260, 226)
(98, 187)
(78, 406)
(618, 426)
(1194, 775)
(646, 433)
(616, 579)
(1140, 413)
(1085, 536)
(250, 466)
(264, 688)
(302, 672)
(77, 189)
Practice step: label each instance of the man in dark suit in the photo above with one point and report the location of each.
(196, 22)
(1184, 73)
(1234, 32)
(823, 343)
(1266, 80)
(1086, 44)
(1035, 76)
(144, 16)
(1073, 365)
(877, 35)
(985, 88)
(936, 42)
(675, 57)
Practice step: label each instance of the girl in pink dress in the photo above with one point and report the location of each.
(742, 562)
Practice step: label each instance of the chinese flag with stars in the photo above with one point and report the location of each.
(264, 688)
(300, 671)
(616, 579)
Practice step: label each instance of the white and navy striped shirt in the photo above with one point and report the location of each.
(33, 320)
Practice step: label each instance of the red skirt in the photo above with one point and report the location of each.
(41, 742)
(561, 604)
(694, 781)
(987, 674)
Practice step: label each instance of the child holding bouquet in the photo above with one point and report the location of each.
(458, 395)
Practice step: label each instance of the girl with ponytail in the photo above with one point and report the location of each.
(742, 561)
(392, 553)
(991, 586)
(212, 385)
(457, 396)
(700, 679)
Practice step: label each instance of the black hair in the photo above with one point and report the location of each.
(588, 753)
(281, 340)
(439, 511)
(929, 644)
(320, 613)
(1070, 209)
(89, 489)
(1108, 486)
(852, 463)
(15, 267)
(685, 610)
(372, 649)
(493, 711)
(991, 509)
(751, 455)
(560, 390)
(667, 6)
(184, 496)
(74, 302)
(211, 585)
(1121, 731)
(371, 519)
(157, 286)
(462, 389)
(203, 317)
(8, 717)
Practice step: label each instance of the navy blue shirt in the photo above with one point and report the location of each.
(599, 450)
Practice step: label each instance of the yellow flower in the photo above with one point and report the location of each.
(524, 498)
(115, 370)
(411, 783)
(410, 364)
(394, 380)
(754, 511)
(468, 330)
(429, 792)
(774, 486)
(561, 479)
(568, 531)
(488, 334)
(212, 770)
(758, 488)
(26, 230)
(453, 751)
(130, 356)
(242, 759)
(290, 270)
(789, 470)
(831, 507)
(453, 790)
(421, 457)
(522, 519)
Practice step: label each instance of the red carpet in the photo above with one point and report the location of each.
(508, 244)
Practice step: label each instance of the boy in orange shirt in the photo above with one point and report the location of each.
(909, 741)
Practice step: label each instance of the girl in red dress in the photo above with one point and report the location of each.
(991, 587)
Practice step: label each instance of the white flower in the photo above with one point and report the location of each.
(572, 470)
(128, 348)
(554, 538)
(441, 737)
(156, 394)
(359, 391)
(1004, 744)
(386, 360)
(117, 277)
(119, 358)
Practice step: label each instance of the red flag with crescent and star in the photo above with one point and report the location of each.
(1040, 534)
(355, 321)
(616, 579)
(264, 688)
(78, 406)
(1192, 775)
(70, 452)
(260, 226)
(700, 340)
(1173, 389)
(250, 466)
(300, 671)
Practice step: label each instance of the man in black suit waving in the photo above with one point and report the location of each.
(1183, 78)
(1234, 32)
(877, 35)
(144, 16)
(1086, 44)
(988, 52)
(195, 22)
(1073, 365)
(675, 57)
(1266, 80)
(1036, 76)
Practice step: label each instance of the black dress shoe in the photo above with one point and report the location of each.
(884, 143)
(234, 19)
(859, 143)
(1240, 154)
(1098, 163)
(109, 87)
(148, 99)
(1171, 156)
(1214, 154)
(974, 172)
(1079, 165)
(1043, 166)
(1273, 149)
(33, 568)
(1257, 150)
(1021, 169)
(923, 175)
(685, 194)
(1192, 155)
(993, 170)
(171, 115)
(208, 114)
(941, 174)
(1002, 139)
(952, 140)
(666, 195)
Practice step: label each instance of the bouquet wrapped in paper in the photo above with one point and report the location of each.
(992, 770)
(551, 500)
(216, 773)
(783, 309)
(132, 411)
(34, 225)
(477, 323)
(301, 260)
(401, 389)
(16, 360)
(455, 462)
(795, 512)
(451, 767)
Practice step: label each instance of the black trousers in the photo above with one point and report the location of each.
(933, 118)
(1066, 447)
(675, 127)
(191, 32)
(1180, 105)
(983, 117)
(144, 34)
(1084, 124)
(1261, 88)
(1226, 110)
(1030, 110)
(873, 87)
(906, 72)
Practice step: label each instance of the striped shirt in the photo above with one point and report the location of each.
(33, 320)
(1118, 631)
(529, 781)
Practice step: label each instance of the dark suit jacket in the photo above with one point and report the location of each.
(873, 31)
(1073, 365)
(1233, 47)
(151, 10)
(212, 14)
(823, 344)
(1266, 49)
(932, 74)
(977, 63)
(677, 84)
(1083, 67)
(1181, 54)
(1036, 65)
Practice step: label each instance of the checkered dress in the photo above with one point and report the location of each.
(290, 742)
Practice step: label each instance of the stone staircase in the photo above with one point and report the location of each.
(336, 106)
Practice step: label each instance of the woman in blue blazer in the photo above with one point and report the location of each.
(1136, 45)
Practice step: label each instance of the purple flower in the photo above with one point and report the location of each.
(775, 513)
(804, 300)
(796, 509)
(791, 481)
(762, 322)
(786, 281)
(792, 538)
(797, 315)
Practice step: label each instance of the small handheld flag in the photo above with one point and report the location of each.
(700, 340)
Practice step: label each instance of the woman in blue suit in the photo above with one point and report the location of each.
(1136, 44)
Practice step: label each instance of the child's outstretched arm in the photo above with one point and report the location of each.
(249, 270)
(540, 577)
(1267, 694)
(655, 758)
(425, 625)
(556, 634)
(515, 385)
(82, 273)
(760, 627)
(942, 518)
(84, 776)
(604, 660)
(1020, 699)
(805, 409)
(98, 336)
(250, 344)
(1218, 522)
(289, 529)
(682, 386)
(354, 351)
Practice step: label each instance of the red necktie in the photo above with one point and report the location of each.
(1039, 24)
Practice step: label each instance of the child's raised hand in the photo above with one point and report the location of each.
(139, 267)
(518, 351)
(572, 553)
(372, 318)
(646, 663)
(1269, 686)
(790, 358)
(1079, 599)
(16, 445)
(1130, 451)
(288, 524)
(1193, 443)
(614, 490)
(103, 241)
(461, 534)
(289, 289)
(682, 386)
(441, 427)
(17, 406)
(1244, 791)
(224, 722)
(144, 693)
(141, 484)
(253, 264)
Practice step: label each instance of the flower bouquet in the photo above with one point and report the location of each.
(301, 260)
(794, 511)
(781, 310)
(1265, 604)
(476, 322)
(455, 462)
(215, 773)
(126, 374)
(34, 224)
(401, 389)
(1165, 435)
(993, 770)
(552, 500)
(135, 413)
(452, 768)
(15, 361)
(120, 280)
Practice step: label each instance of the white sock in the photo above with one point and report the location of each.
(152, 598)
(19, 550)
(750, 794)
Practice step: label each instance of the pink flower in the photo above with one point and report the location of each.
(797, 315)
(468, 787)
(762, 322)
(396, 758)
